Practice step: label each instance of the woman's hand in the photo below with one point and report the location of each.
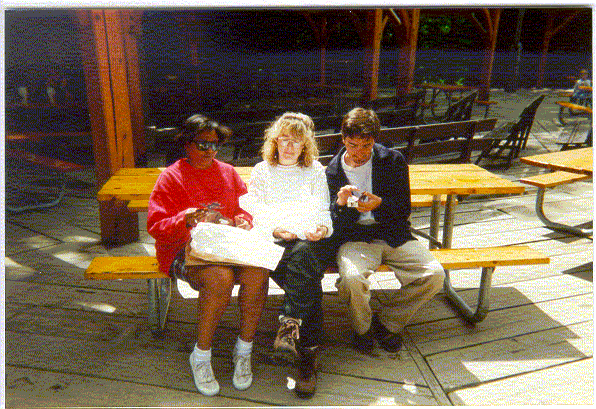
(242, 223)
(193, 216)
(317, 235)
(371, 202)
(284, 234)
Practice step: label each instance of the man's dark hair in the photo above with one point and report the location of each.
(197, 124)
(360, 123)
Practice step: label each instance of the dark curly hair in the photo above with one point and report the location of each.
(196, 124)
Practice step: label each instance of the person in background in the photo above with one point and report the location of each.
(181, 198)
(370, 207)
(289, 200)
(581, 96)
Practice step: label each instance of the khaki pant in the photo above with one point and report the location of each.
(421, 276)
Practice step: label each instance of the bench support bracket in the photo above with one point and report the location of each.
(554, 225)
(483, 297)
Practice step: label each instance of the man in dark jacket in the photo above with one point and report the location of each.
(370, 207)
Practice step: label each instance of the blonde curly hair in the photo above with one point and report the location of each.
(295, 125)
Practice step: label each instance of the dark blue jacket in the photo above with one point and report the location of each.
(391, 182)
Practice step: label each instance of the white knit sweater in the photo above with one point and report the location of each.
(291, 197)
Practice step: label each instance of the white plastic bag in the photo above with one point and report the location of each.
(220, 243)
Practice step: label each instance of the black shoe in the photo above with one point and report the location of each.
(364, 343)
(306, 382)
(389, 341)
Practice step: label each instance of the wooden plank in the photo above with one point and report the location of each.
(48, 162)
(553, 179)
(557, 385)
(509, 357)
(489, 257)
(574, 160)
(501, 323)
(148, 365)
(427, 327)
(109, 268)
(457, 181)
(38, 388)
(142, 205)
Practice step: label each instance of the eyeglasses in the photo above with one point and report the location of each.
(289, 142)
(205, 145)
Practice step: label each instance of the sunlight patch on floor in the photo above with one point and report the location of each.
(96, 306)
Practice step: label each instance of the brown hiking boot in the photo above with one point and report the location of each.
(306, 382)
(287, 338)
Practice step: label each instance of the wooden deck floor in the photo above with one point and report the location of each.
(73, 342)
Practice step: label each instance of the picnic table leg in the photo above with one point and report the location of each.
(448, 222)
(552, 224)
(432, 236)
(481, 311)
(435, 214)
(485, 279)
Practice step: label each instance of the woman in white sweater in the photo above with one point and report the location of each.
(288, 198)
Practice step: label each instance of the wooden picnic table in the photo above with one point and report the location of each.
(575, 161)
(425, 179)
(447, 89)
(577, 107)
(433, 179)
(567, 167)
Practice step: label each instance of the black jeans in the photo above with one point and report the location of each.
(299, 274)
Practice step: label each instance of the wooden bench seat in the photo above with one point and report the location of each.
(145, 267)
(549, 180)
(552, 179)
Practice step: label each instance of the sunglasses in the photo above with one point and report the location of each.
(205, 145)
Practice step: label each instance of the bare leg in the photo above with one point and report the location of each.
(254, 283)
(215, 285)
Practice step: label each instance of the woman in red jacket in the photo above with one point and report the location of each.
(178, 202)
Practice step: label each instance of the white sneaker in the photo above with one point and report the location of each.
(203, 375)
(242, 372)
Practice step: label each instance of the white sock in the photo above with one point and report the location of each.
(243, 347)
(202, 355)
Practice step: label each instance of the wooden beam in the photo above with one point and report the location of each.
(407, 53)
(106, 79)
(319, 26)
(489, 29)
(132, 21)
(374, 26)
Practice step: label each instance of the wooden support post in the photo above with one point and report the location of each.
(374, 26)
(132, 21)
(489, 30)
(407, 22)
(319, 26)
(106, 78)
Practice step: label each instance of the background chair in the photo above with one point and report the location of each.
(510, 139)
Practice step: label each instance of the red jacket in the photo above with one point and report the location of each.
(181, 186)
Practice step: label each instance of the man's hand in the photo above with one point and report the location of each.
(344, 193)
(317, 235)
(371, 202)
(284, 235)
(242, 223)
